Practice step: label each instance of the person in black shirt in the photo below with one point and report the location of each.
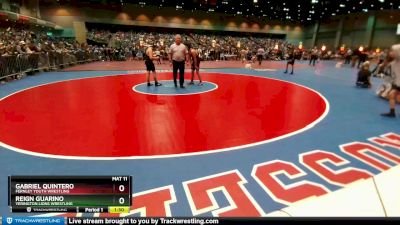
(291, 58)
(362, 57)
(148, 60)
(260, 55)
(313, 56)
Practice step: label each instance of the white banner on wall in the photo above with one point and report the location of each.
(398, 29)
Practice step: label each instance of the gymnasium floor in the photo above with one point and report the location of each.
(243, 144)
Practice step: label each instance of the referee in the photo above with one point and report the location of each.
(178, 53)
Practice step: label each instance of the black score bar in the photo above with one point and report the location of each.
(110, 209)
(83, 194)
(230, 221)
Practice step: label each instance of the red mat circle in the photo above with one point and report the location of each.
(102, 118)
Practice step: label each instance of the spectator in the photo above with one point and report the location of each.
(362, 57)
(291, 59)
(394, 73)
(364, 76)
(348, 56)
(139, 55)
(313, 56)
(381, 57)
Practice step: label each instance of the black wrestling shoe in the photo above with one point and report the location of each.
(291, 73)
(389, 114)
(285, 72)
(200, 84)
(149, 84)
(158, 84)
(191, 83)
(182, 86)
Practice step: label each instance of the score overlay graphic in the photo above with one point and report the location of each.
(90, 194)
